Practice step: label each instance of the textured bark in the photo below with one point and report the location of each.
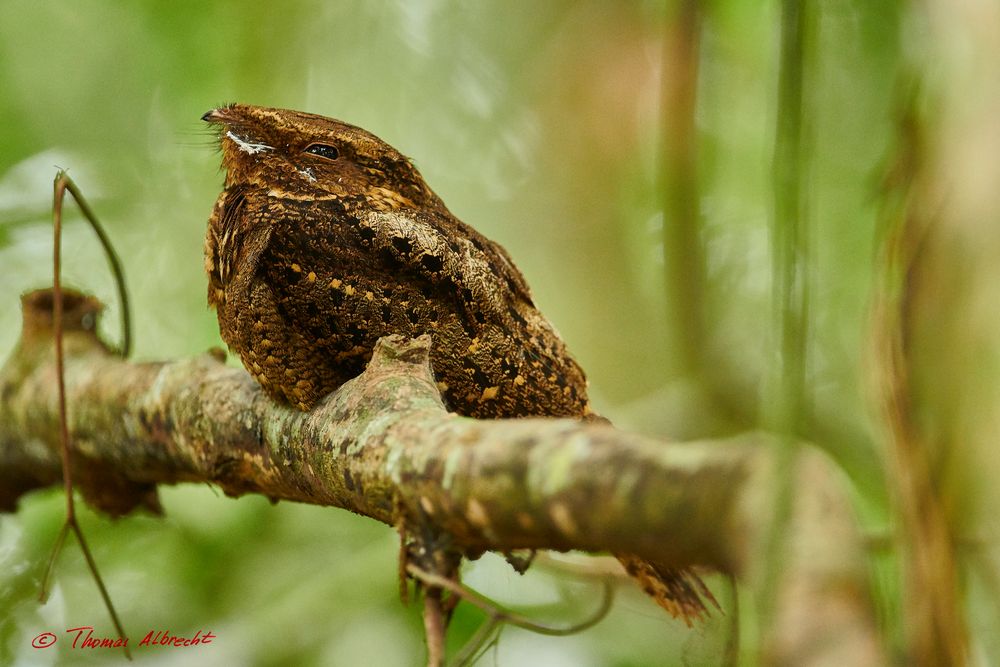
(384, 446)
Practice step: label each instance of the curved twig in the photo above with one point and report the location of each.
(503, 615)
(478, 644)
(63, 183)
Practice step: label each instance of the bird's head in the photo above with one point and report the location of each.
(296, 155)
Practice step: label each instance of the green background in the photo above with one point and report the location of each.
(537, 123)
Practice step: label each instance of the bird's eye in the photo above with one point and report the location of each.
(323, 150)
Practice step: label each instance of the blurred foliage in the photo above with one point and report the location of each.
(538, 123)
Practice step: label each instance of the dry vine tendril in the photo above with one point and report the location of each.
(498, 616)
(62, 184)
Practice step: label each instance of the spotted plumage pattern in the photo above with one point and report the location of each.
(326, 238)
(312, 256)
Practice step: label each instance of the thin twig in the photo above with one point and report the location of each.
(487, 635)
(109, 251)
(92, 564)
(57, 315)
(62, 183)
(505, 615)
(434, 627)
(43, 595)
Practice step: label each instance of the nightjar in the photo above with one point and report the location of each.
(326, 238)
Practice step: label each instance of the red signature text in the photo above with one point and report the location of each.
(83, 637)
(164, 638)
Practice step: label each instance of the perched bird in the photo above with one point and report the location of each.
(326, 238)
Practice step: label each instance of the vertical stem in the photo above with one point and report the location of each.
(917, 228)
(790, 231)
(57, 314)
(682, 244)
(63, 183)
(790, 252)
(434, 627)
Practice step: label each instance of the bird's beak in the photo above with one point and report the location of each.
(214, 116)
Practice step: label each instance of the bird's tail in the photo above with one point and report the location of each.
(680, 591)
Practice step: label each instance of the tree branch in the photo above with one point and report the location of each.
(384, 446)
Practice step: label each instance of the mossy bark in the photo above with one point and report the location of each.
(384, 446)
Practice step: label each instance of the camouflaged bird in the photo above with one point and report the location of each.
(326, 238)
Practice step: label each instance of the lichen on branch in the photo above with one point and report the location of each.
(384, 446)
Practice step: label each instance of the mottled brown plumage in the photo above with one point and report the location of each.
(326, 238)
(315, 253)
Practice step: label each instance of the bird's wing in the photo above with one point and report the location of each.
(445, 252)
(233, 244)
